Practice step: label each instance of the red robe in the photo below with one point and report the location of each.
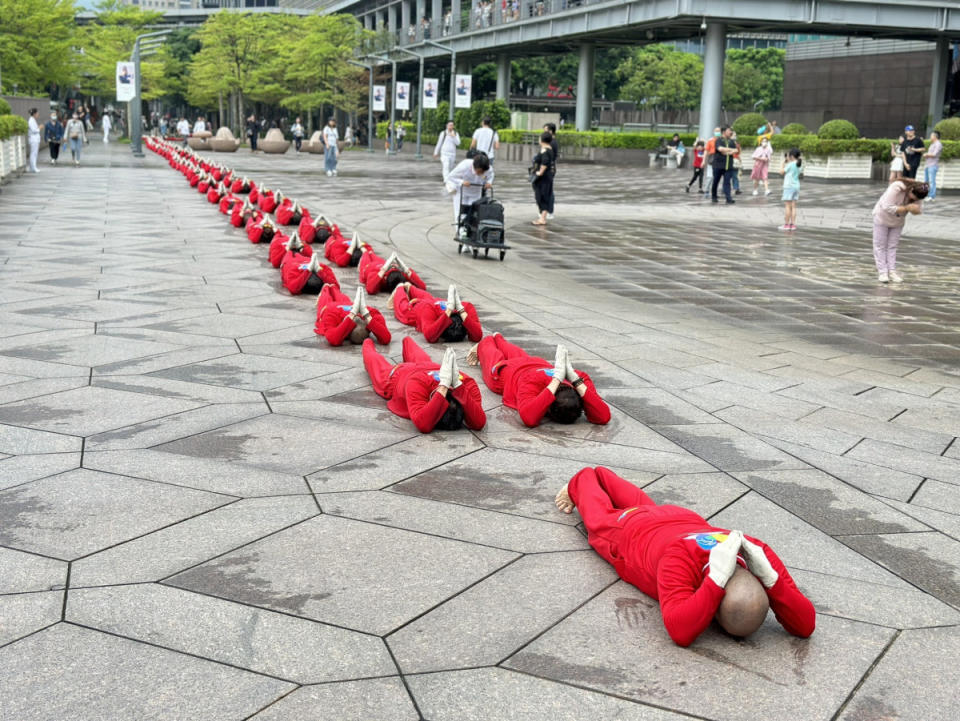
(665, 552)
(427, 314)
(334, 322)
(285, 215)
(371, 263)
(523, 381)
(409, 388)
(294, 272)
(268, 202)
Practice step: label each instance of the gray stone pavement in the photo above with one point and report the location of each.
(206, 513)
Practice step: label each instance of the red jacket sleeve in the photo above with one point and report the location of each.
(469, 396)
(326, 274)
(372, 284)
(378, 326)
(334, 330)
(533, 398)
(792, 609)
(594, 407)
(433, 321)
(472, 323)
(425, 407)
(415, 279)
(688, 604)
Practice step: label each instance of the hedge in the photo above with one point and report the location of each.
(411, 129)
(598, 139)
(795, 129)
(748, 124)
(11, 125)
(838, 130)
(949, 129)
(5, 108)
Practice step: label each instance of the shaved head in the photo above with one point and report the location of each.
(744, 605)
(360, 333)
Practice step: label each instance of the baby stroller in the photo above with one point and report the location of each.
(480, 226)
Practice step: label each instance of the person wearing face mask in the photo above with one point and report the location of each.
(53, 134)
(77, 135)
(761, 166)
(33, 140)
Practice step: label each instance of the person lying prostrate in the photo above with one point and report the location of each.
(227, 179)
(430, 395)
(255, 194)
(260, 228)
(281, 244)
(216, 192)
(448, 321)
(377, 274)
(290, 212)
(344, 252)
(241, 212)
(314, 230)
(305, 273)
(339, 319)
(535, 388)
(269, 200)
(228, 201)
(204, 182)
(242, 185)
(192, 175)
(697, 571)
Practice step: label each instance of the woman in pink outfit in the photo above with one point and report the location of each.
(761, 166)
(889, 215)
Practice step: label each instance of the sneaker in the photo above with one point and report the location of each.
(329, 173)
(731, 201)
(334, 173)
(883, 278)
(768, 192)
(687, 188)
(549, 216)
(930, 200)
(756, 192)
(793, 226)
(715, 200)
(895, 277)
(785, 226)
(737, 192)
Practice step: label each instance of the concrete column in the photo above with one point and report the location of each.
(711, 92)
(585, 86)
(436, 19)
(404, 19)
(368, 21)
(381, 20)
(454, 16)
(421, 11)
(392, 19)
(473, 14)
(938, 83)
(503, 77)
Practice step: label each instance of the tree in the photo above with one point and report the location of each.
(35, 41)
(754, 75)
(663, 76)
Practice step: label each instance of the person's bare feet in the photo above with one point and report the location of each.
(563, 500)
(472, 358)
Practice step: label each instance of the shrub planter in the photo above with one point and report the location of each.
(948, 176)
(842, 166)
(13, 157)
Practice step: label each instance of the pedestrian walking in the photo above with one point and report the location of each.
(53, 134)
(912, 148)
(723, 168)
(389, 139)
(401, 134)
(183, 130)
(790, 169)
(200, 126)
(737, 164)
(446, 149)
(76, 136)
(889, 216)
(349, 137)
(761, 166)
(107, 125)
(296, 130)
(710, 150)
(253, 132)
(33, 140)
(932, 157)
(331, 139)
(543, 171)
(699, 155)
(555, 146)
(485, 139)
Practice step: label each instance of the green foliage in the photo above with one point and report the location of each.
(435, 119)
(747, 124)
(838, 130)
(469, 119)
(949, 129)
(35, 44)
(661, 76)
(5, 108)
(951, 150)
(11, 125)
(751, 76)
(561, 70)
(596, 139)
(795, 129)
(411, 129)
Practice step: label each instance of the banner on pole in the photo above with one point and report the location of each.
(379, 98)
(126, 82)
(430, 86)
(462, 99)
(403, 96)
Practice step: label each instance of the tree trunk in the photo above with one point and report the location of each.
(220, 100)
(309, 123)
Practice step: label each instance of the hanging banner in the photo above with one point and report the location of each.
(463, 91)
(379, 98)
(126, 82)
(403, 96)
(430, 86)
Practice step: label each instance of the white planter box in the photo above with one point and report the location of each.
(21, 142)
(847, 166)
(948, 177)
(5, 168)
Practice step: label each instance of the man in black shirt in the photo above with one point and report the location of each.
(555, 146)
(912, 148)
(723, 164)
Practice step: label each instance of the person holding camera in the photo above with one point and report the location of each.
(446, 149)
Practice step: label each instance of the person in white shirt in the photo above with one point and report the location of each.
(296, 130)
(200, 126)
(348, 137)
(485, 139)
(107, 125)
(447, 144)
(330, 139)
(467, 181)
(33, 139)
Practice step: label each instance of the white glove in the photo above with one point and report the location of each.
(387, 263)
(458, 304)
(560, 363)
(452, 298)
(314, 266)
(723, 558)
(571, 373)
(758, 564)
(357, 302)
(364, 311)
(448, 368)
(294, 242)
(353, 243)
(403, 266)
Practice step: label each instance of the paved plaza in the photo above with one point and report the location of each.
(207, 513)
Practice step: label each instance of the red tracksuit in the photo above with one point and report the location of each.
(203, 186)
(227, 202)
(255, 229)
(278, 251)
(427, 314)
(334, 322)
(237, 215)
(371, 263)
(523, 381)
(409, 387)
(665, 552)
(285, 215)
(213, 194)
(254, 193)
(310, 228)
(335, 248)
(237, 186)
(268, 202)
(294, 273)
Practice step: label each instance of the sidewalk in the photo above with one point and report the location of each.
(207, 513)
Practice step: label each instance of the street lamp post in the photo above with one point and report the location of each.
(135, 109)
(453, 71)
(370, 128)
(393, 100)
(419, 155)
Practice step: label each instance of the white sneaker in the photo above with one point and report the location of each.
(549, 216)
(334, 172)
(930, 200)
(895, 277)
(329, 173)
(883, 278)
(756, 192)
(768, 192)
